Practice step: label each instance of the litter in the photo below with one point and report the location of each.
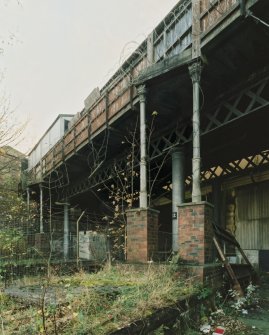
(219, 330)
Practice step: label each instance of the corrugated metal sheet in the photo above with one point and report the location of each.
(264, 231)
(252, 216)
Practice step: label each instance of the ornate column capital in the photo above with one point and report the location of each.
(195, 70)
(142, 91)
(178, 149)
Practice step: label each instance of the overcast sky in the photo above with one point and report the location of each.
(56, 51)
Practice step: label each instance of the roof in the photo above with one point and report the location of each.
(57, 118)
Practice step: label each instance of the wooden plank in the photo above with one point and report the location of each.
(235, 282)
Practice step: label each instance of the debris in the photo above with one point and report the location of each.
(219, 330)
(205, 329)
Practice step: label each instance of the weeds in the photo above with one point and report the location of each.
(228, 309)
(96, 303)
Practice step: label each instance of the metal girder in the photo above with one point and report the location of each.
(249, 100)
(182, 134)
(236, 166)
(101, 175)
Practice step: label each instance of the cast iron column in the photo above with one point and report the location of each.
(195, 73)
(41, 229)
(66, 231)
(178, 190)
(143, 199)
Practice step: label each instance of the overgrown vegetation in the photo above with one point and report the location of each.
(227, 310)
(92, 303)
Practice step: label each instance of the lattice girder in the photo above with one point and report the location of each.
(249, 100)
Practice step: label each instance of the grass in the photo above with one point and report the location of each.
(107, 300)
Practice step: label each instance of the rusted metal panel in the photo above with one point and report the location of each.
(117, 90)
(82, 136)
(69, 147)
(82, 124)
(98, 109)
(58, 158)
(140, 66)
(213, 11)
(49, 161)
(81, 130)
(49, 156)
(58, 148)
(49, 166)
(118, 104)
(58, 152)
(69, 137)
(98, 122)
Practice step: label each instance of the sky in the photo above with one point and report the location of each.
(53, 53)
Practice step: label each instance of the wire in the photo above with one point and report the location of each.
(249, 13)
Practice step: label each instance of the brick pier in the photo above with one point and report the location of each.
(142, 234)
(196, 246)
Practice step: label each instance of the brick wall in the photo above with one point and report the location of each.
(196, 232)
(142, 234)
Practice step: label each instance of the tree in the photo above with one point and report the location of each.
(14, 210)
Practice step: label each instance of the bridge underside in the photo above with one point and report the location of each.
(234, 93)
(234, 112)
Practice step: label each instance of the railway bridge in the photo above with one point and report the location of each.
(177, 138)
